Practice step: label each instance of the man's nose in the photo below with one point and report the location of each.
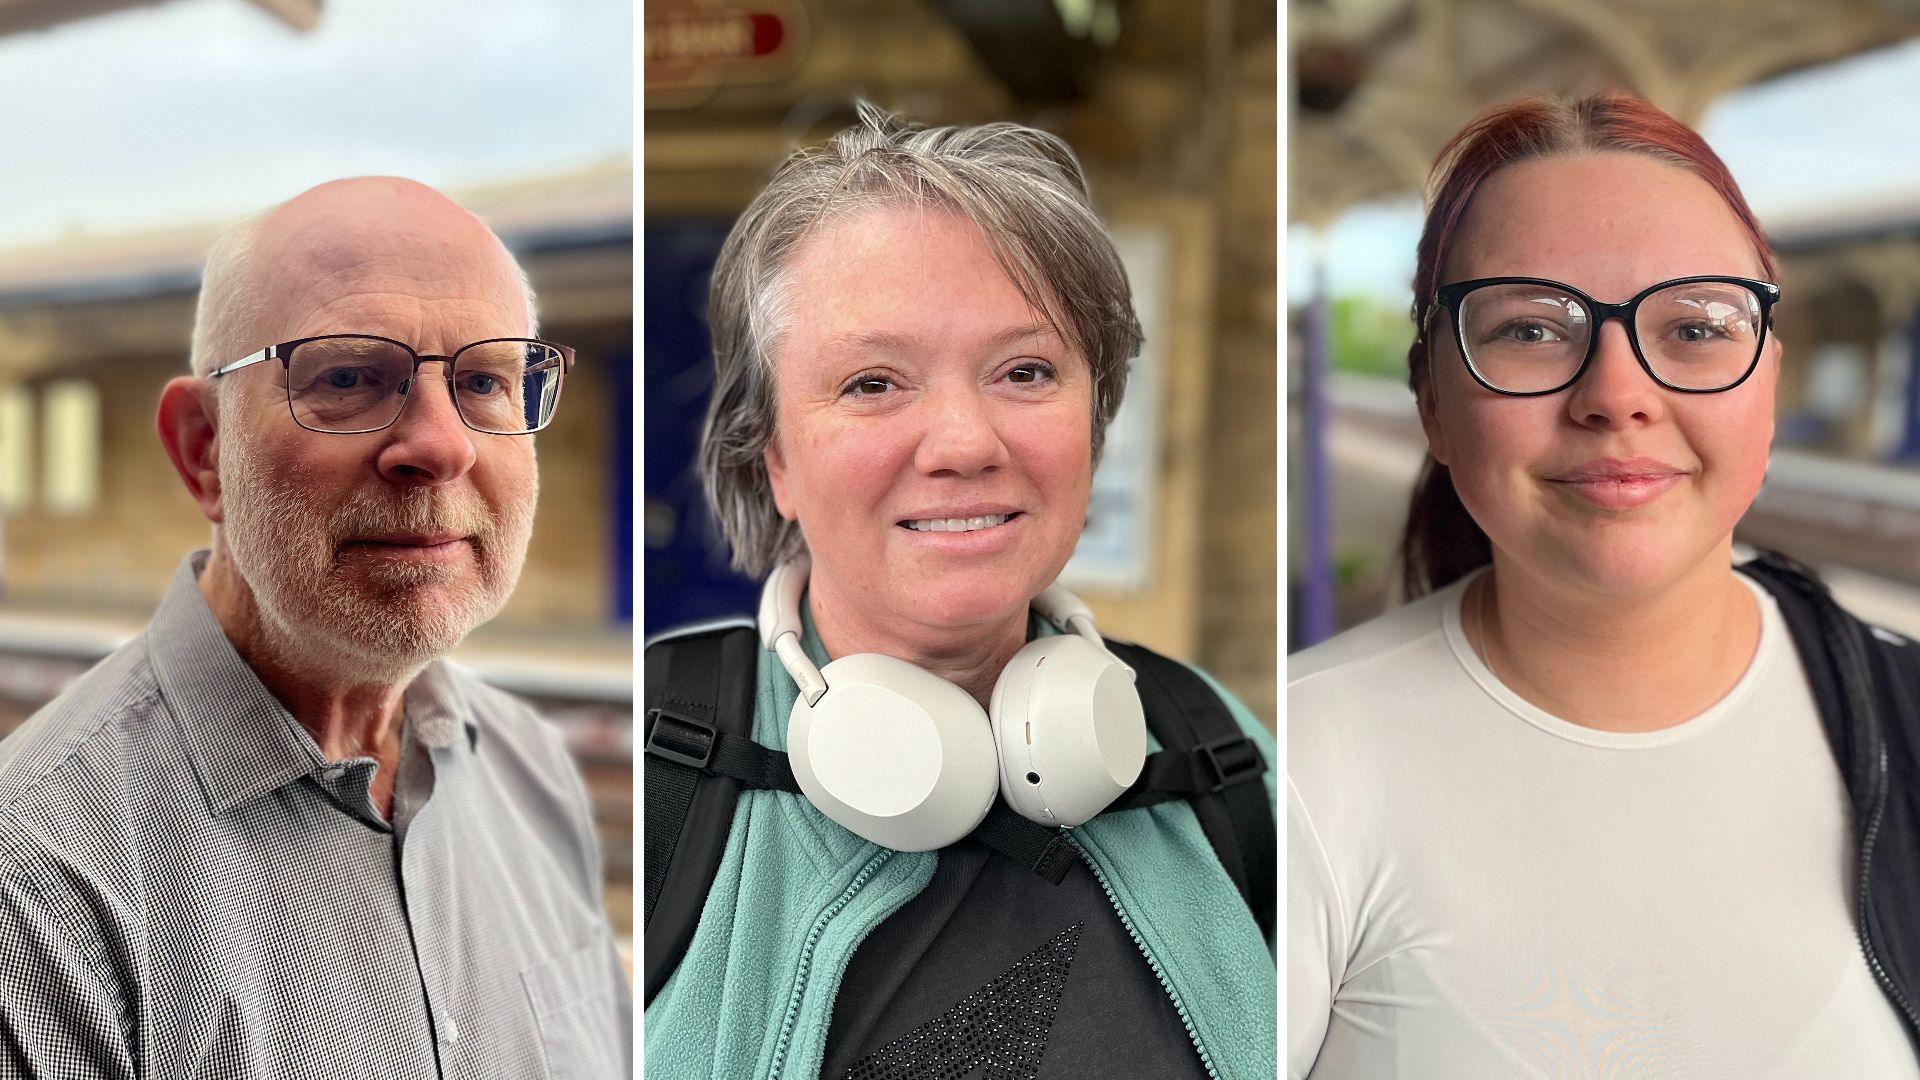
(1615, 391)
(427, 444)
(960, 438)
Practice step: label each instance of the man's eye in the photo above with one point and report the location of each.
(343, 379)
(484, 384)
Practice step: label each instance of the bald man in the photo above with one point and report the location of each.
(276, 834)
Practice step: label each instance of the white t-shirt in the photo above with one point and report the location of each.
(1479, 890)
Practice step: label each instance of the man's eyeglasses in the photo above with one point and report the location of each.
(1529, 336)
(349, 384)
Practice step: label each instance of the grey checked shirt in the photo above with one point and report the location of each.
(189, 888)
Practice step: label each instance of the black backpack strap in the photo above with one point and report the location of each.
(699, 709)
(1211, 763)
(1040, 848)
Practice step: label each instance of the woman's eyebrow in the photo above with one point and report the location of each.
(1014, 334)
(871, 341)
(894, 341)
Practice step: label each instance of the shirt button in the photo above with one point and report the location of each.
(451, 1031)
(334, 772)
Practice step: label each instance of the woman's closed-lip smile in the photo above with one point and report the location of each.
(1621, 483)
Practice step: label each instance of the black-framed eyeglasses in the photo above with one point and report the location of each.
(1525, 337)
(351, 384)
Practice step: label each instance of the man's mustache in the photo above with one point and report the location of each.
(425, 513)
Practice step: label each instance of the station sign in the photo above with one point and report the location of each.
(694, 47)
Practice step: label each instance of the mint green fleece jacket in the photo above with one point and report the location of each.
(796, 894)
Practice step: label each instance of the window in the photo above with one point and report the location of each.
(16, 448)
(71, 481)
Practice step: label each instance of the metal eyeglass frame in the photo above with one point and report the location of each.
(1450, 297)
(283, 352)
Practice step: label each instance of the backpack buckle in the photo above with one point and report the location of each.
(1229, 761)
(677, 737)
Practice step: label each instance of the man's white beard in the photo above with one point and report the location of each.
(389, 617)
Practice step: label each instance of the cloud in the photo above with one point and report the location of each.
(206, 109)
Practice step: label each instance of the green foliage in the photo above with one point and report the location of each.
(1369, 337)
(1349, 567)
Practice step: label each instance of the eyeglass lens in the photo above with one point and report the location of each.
(1525, 338)
(349, 384)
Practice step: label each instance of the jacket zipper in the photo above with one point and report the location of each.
(1853, 663)
(1866, 899)
(806, 958)
(1179, 1006)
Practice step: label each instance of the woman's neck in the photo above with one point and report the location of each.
(1610, 663)
(971, 657)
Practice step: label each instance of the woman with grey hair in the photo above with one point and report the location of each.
(929, 818)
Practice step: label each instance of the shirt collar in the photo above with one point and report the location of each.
(438, 706)
(240, 738)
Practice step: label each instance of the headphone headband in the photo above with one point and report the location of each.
(780, 625)
(780, 600)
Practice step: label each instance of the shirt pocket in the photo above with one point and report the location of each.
(574, 1008)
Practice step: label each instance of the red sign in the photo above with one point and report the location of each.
(701, 46)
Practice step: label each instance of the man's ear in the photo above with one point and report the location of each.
(776, 464)
(186, 421)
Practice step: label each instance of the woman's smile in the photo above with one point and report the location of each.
(963, 535)
(1619, 484)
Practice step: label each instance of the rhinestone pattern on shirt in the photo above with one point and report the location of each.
(1003, 1025)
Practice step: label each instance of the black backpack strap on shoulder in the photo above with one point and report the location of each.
(1211, 763)
(699, 710)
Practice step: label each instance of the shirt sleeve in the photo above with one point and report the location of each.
(1316, 939)
(56, 1017)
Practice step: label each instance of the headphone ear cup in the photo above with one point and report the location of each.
(1070, 730)
(899, 756)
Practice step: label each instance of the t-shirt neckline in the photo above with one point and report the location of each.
(1772, 631)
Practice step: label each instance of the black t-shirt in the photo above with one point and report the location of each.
(992, 965)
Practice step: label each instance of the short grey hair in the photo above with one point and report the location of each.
(1022, 187)
(230, 295)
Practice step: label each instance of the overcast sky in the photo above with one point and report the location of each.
(195, 110)
(1827, 136)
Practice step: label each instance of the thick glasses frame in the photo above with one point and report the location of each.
(283, 352)
(1451, 296)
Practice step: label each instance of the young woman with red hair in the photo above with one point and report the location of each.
(1597, 802)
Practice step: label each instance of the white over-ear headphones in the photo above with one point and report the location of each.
(909, 761)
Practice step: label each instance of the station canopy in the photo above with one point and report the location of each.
(1380, 85)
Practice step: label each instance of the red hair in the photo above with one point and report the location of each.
(1442, 542)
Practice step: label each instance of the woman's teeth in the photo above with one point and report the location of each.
(959, 524)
